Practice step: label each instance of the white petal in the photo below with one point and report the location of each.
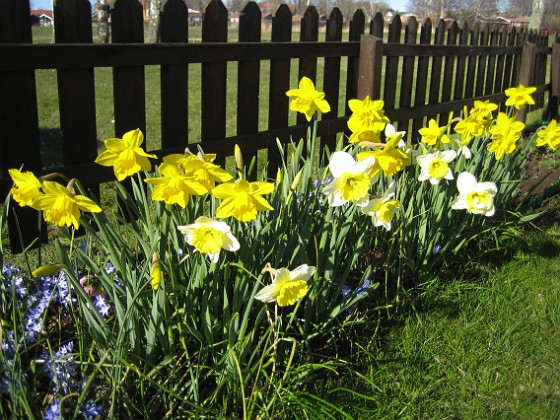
(488, 186)
(333, 195)
(213, 256)
(466, 182)
(340, 162)
(362, 166)
(230, 242)
(459, 203)
(448, 155)
(303, 272)
(449, 174)
(266, 294)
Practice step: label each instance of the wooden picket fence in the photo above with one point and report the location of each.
(421, 71)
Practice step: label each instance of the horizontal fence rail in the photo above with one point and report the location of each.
(420, 71)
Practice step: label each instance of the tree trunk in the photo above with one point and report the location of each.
(536, 14)
(153, 30)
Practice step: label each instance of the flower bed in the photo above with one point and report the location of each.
(209, 298)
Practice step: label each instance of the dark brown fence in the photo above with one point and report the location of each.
(421, 71)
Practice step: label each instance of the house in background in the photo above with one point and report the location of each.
(41, 17)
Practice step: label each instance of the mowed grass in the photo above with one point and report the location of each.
(482, 348)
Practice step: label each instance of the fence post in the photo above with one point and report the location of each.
(553, 99)
(526, 71)
(369, 68)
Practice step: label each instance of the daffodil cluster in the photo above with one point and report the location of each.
(60, 205)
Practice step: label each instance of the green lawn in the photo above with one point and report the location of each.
(471, 348)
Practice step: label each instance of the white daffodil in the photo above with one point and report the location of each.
(391, 132)
(382, 209)
(435, 166)
(475, 197)
(209, 236)
(287, 286)
(351, 180)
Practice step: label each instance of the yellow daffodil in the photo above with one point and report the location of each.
(156, 275)
(242, 199)
(382, 209)
(125, 155)
(48, 270)
(174, 187)
(62, 207)
(549, 135)
(482, 110)
(390, 159)
(520, 96)
(505, 134)
(435, 166)
(200, 168)
(475, 197)
(367, 112)
(364, 131)
(434, 135)
(351, 179)
(26, 187)
(307, 100)
(209, 236)
(468, 128)
(287, 286)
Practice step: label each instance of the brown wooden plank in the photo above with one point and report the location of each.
(127, 26)
(392, 65)
(309, 33)
(279, 83)
(370, 69)
(407, 76)
(248, 80)
(461, 63)
(174, 78)
(214, 75)
(421, 80)
(519, 40)
(331, 77)
(19, 126)
(356, 29)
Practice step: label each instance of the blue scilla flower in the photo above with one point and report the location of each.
(53, 411)
(61, 368)
(328, 180)
(436, 249)
(33, 321)
(316, 183)
(91, 410)
(101, 305)
(347, 290)
(110, 269)
(14, 280)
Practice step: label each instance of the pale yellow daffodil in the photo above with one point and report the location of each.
(209, 236)
(287, 286)
(475, 197)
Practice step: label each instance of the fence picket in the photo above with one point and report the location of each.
(331, 75)
(214, 76)
(309, 33)
(407, 75)
(471, 64)
(437, 62)
(248, 80)
(500, 64)
(174, 78)
(421, 79)
(449, 73)
(461, 63)
(279, 83)
(392, 65)
(356, 29)
(19, 123)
